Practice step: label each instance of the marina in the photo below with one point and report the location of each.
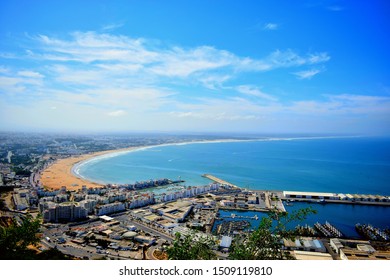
(317, 197)
(373, 233)
(328, 230)
(232, 227)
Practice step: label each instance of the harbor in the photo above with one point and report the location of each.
(315, 197)
(373, 233)
(355, 209)
(328, 230)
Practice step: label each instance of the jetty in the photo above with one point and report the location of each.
(328, 230)
(219, 181)
(234, 216)
(372, 233)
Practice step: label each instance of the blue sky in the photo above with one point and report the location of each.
(201, 66)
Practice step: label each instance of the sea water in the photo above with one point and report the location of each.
(359, 165)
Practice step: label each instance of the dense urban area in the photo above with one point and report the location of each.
(131, 222)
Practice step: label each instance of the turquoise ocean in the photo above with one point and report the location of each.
(358, 165)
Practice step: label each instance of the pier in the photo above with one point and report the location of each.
(328, 230)
(233, 216)
(219, 181)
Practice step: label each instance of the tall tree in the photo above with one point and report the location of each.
(15, 238)
(266, 243)
(191, 247)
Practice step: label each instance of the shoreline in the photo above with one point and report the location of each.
(63, 173)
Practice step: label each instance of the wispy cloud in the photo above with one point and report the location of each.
(118, 113)
(307, 74)
(118, 79)
(335, 8)
(112, 26)
(4, 70)
(30, 74)
(13, 82)
(91, 47)
(284, 59)
(254, 91)
(343, 104)
(271, 26)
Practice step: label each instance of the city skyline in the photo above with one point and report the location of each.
(260, 67)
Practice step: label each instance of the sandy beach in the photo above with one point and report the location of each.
(60, 173)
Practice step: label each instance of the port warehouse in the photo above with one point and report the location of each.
(335, 196)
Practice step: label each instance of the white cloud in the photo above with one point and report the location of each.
(4, 70)
(271, 26)
(118, 113)
(214, 82)
(335, 8)
(90, 47)
(113, 26)
(108, 75)
(30, 74)
(254, 91)
(318, 58)
(139, 54)
(282, 59)
(343, 104)
(307, 74)
(182, 63)
(12, 82)
(213, 116)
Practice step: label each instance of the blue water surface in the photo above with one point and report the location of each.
(350, 165)
(338, 165)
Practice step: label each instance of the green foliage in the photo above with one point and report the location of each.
(266, 242)
(190, 247)
(15, 238)
(51, 254)
(21, 171)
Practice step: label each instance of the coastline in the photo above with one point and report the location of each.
(62, 172)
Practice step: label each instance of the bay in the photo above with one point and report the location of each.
(350, 165)
(358, 165)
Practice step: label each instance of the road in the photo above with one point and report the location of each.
(146, 228)
(90, 252)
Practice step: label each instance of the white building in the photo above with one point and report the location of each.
(109, 208)
(21, 199)
(64, 212)
(89, 204)
(227, 203)
(140, 201)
